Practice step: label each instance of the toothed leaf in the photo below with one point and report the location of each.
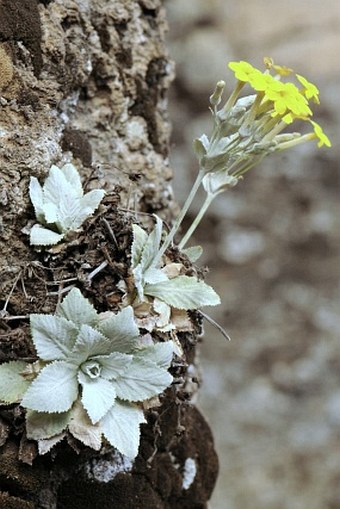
(184, 292)
(54, 389)
(151, 246)
(160, 353)
(82, 429)
(41, 425)
(142, 380)
(40, 236)
(12, 384)
(121, 330)
(77, 309)
(98, 396)
(139, 238)
(120, 427)
(53, 336)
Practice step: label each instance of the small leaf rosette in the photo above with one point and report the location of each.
(60, 205)
(95, 371)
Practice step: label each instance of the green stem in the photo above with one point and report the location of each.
(180, 216)
(197, 220)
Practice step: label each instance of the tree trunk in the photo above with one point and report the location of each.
(85, 82)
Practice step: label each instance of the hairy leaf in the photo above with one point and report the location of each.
(41, 425)
(36, 195)
(121, 428)
(12, 384)
(82, 429)
(77, 309)
(98, 396)
(113, 365)
(184, 292)
(160, 353)
(151, 246)
(121, 329)
(54, 389)
(193, 253)
(153, 275)
(44, 446)
(53, 336)
(40, 236)
(142, 380)
(139, 238)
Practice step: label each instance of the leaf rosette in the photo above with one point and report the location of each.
(60, 204)
(96, 372)
(165, 287)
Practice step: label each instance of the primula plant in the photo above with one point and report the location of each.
(161, 282)
(60, 205)
(92, 374)
(247, 129)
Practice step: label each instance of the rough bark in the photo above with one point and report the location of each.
(86, 81)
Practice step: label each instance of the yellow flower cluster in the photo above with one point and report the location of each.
(284, 99)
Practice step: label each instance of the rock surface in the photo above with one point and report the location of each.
(86, 82)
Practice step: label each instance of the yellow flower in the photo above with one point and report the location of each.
(282, 70)
(286, 96)
(242, 70)
(320, 135)
(309, 89)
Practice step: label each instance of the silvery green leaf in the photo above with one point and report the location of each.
(89, 203)
(41, 425)
(40, 236)
(90, 342)
(120, 427)
(82, 428)
(45, 446)
(72, 176)
(139, 280)
(152, 244)
(98, 396)
(56, 186)
(217, 182)
(36, 196)
(160, 353)
(77, 309)
(51, 214)
(53, 336)
(139, 238)
(199, 147)
(68, 212)
(142, 380)
(12, 384)
(113, 365)
(121, 329)
(193, 253)
(153, 275)
(184, 292)
(61, 204)
(54, 389)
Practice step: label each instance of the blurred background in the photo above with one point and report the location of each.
(271, 395)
